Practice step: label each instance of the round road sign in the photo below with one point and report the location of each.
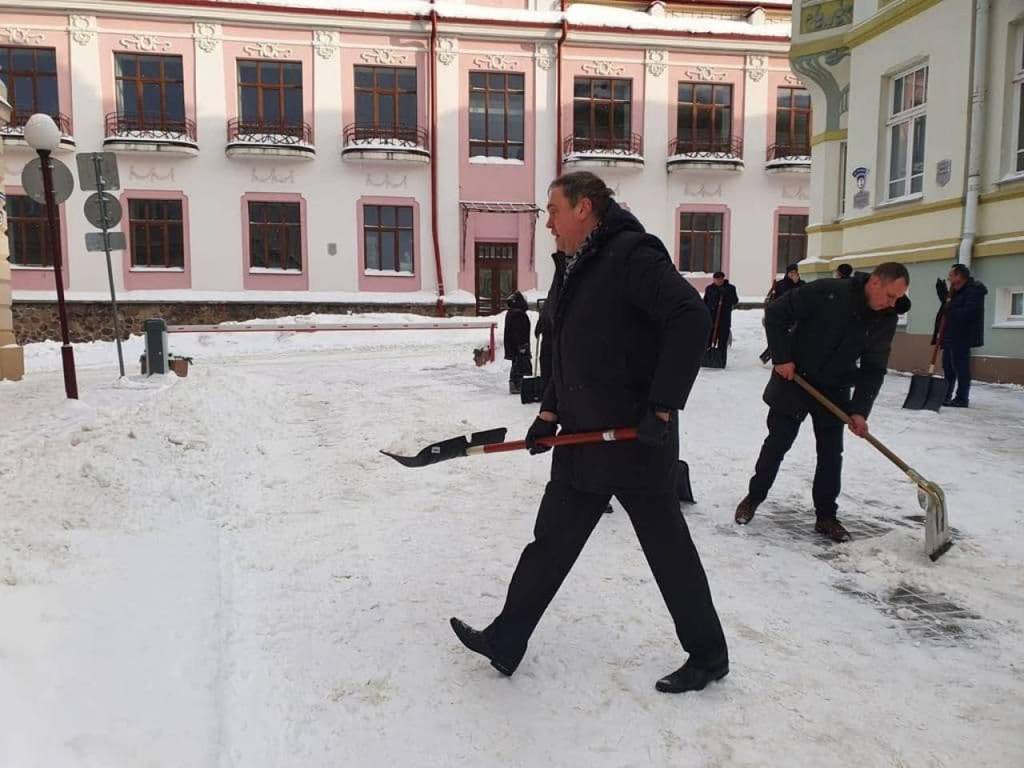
(32, 180)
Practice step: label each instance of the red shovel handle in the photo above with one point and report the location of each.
(610, 436)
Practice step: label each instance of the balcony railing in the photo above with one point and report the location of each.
(703, 149)
(150, 127)
(629, 146)
(16, 125)
(270, 133)
(789, 151)
(391, 136)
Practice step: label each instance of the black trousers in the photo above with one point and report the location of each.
(564, 523)
(956, 363)
(782, 431)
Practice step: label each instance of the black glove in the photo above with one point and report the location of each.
(538, 429)
(940, 289)
(652, 431)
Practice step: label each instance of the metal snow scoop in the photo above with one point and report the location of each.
(493, 441)
(930, 496)
(928, 392)
(714, 355)
(532, 388)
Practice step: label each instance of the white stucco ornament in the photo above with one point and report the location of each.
(545, 55)
(22, 36)
(757, 67)
(325, 43)
(145, 43)
(447, 49)
(206, 36)
(384, 56)
(656, 61)
(603, 68)
(267, 50)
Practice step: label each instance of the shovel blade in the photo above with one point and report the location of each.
(937, 537)
(713, 358)
(926, 393)
(683, 488)
(451, 448)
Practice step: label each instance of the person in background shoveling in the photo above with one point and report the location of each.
(629, 336)
(965, 328)
(517, 341)
(789, 282)
(822, 331)
(721, 291)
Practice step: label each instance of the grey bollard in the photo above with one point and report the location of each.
(156, 346)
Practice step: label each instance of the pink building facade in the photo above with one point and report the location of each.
(323, 153)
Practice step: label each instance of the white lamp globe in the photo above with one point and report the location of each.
(42, 133)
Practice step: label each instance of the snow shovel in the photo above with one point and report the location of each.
(929, 495)
(927, 392)
(532, 389)
(713, 356)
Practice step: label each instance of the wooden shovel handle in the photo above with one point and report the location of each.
(939, 336)
(609, 436)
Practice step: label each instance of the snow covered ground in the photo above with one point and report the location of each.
(222, 571)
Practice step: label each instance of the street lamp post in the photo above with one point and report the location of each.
(42, 134)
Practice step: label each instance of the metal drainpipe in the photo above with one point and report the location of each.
(558, 93)
(977, 130)
(432, 69)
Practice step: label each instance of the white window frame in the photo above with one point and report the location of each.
(1017, 84)
(1004, 317)
(908, 116)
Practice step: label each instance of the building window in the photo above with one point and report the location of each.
(791, 242)
(841, 202)
(385, 103)
(30, 75)
(275, 236)
(270, 96)
(387, 238)
(157, 233)
(1016, 305)
(150, 92)
(700, 242)
(28, 232)
(1018, 87)
(704, 118)
(496, 114)
(906, 127)
(602, 114)
(792, 122)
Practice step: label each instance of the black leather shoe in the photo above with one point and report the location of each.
(691, 677)
(832, 528)
(955, 403)
(745, 511)
(477, 642)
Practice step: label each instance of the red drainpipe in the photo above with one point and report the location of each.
(558, 93)
(433, 160)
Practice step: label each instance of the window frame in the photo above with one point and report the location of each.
(780, 262)
(1017, 84)
(793, 112)
(282, 229)
(1010, 314)
(693, 144)
(19, 222)
(280, 86)
(376, 92)
(907, 116)
(487, 143)
(162, 119)
(9, 73)
(710, 236)
(612, 141)
(394, 231)
(139, 233)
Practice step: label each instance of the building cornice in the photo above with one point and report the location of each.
(867, 30)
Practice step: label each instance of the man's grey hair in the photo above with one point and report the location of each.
(579, 184)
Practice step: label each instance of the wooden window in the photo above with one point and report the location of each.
(496, 114)
(791, 245)
(385, 101)
(30, 75)
(602, 113)
(270, 94)
(28, 233)
(275, 236)
(388, 238)
(704, 118)
(150, 92)
(157, 233)
(700, 241)
(793, 122)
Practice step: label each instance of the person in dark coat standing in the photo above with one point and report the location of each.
(788, 282)
(964, 329)
(720, 292)
(836, 334)
(629, 336)
(517, 341)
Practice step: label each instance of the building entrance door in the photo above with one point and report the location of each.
(495, 276)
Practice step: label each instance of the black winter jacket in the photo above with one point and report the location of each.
(965, 324)
(726, 295)
(629, 334)
(827, 328)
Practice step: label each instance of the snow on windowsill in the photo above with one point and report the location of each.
(1010, 323)
(387, 273)
(1011, 178)
(174, 270)
(485, 160)
(273, 271)
(390, 145)
(900, 201)
(29, 268)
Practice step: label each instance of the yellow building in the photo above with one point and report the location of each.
(918, 154)
(11, 362)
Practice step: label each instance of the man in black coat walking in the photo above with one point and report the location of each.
(964, 329)
(517, 341)
(629, 335)
(822, 331)
(720, 294)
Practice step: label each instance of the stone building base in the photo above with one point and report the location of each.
(93, 321)
(911, 352)
(12, 362)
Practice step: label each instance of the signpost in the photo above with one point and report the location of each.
(98, 171)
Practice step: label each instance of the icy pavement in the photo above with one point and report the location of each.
(222, 571)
